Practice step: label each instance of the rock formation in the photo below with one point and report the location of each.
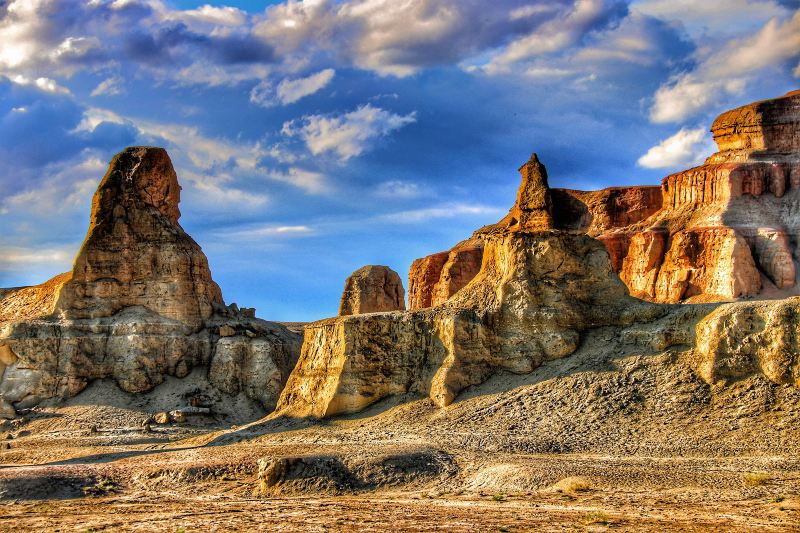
(139, 304)
(135, 252)
(372, 289)
(725, 229)
(536, 291)
(434, 279)
(744, 338)
(527, 289)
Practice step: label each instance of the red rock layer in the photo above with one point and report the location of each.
(436, 278)
(597, 211)
(423, 277)
(725, 223)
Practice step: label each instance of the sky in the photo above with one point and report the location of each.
(314, 137)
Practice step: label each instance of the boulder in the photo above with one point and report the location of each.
(372, 289)
(745, 338)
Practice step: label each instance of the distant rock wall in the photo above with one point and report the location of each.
(726, 229)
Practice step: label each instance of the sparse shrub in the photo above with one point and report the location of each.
(757, 479)
(572, 484)
(103, 487)
(499, 497)
(597, 517)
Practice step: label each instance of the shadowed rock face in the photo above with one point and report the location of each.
(140, 304)
(371, 289)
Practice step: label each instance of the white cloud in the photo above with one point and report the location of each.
(213, 193)
(311, 182)
(68, 189)
(346, 135)
(716, 16)
(554, 35)
(688, 147)
(398, 189)
(728, 70)
(289, 91)
(267, 230)
(450, 210)
(21, 259)
(43, 84)
(210, 15)
(109, 87)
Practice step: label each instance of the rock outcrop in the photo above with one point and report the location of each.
(135, 252)
(140, 304)
(745, 338)
(535, 293)
(372, 289)
(726, 229)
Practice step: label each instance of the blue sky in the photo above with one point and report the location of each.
(313, 137)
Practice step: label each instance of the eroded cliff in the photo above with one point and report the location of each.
(724, 230)
(139, 305)
(536, 291)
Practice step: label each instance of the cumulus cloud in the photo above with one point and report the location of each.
(290, 91)
(559, 33)
(347, 135)
(728, 70)
(399, 38)
(43, 84)
(688, 147)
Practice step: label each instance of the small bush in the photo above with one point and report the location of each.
(103, 487)
(757, 479)
(572, 484)
(499, 497)
(597, 517)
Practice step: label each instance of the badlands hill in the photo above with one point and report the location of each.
(618, 358)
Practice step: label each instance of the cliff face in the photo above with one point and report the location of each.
(723, 230)
(139, 305)
(537, 290)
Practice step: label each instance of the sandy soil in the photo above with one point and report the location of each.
(629, 442)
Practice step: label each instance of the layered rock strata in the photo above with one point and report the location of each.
(724, 230)
(432, 280)
(372, 289)
(536, 291)
(140, 304)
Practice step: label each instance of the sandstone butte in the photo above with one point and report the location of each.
(724, 230)
(139, 304)
(527, 289)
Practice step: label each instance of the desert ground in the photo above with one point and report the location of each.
(518, 453)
